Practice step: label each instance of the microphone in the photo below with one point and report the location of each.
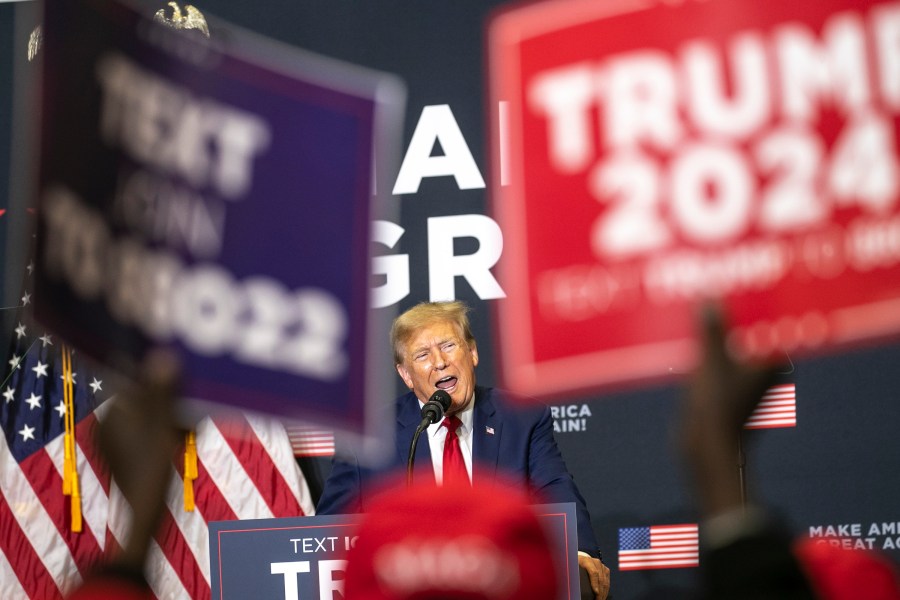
(432, 412)
(436, 406)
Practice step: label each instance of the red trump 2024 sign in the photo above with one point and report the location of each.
(657, 154)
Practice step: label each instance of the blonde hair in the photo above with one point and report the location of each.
(424, 314)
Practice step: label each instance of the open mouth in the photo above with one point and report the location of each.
(446, 383)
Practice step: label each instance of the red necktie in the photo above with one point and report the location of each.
(454, 465)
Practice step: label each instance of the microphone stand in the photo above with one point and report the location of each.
(412, 449)
(741, 464)
(432, 412)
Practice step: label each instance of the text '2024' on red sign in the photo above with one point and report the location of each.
(662, 154)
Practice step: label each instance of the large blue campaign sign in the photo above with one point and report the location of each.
(215, 196)
(305, 558)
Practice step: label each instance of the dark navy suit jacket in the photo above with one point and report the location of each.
(512, 442)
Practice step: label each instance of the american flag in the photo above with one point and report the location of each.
(246, 470)
(308, 440)
(778, 408)
(659, 547)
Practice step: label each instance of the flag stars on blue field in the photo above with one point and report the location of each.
(27, 433)
(61, 409)
(9, 393)
(34, 401)
(20, 331)
(14, 362)
(40, 369)
(46, 340)
(63, 377)
(26, 299)
(96, 385)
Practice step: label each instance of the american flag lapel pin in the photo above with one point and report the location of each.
(489, 430)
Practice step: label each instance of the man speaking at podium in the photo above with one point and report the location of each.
(482, 435)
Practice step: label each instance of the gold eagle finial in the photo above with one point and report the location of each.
(190, 19)
(34, 43)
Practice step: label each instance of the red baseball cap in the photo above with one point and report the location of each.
(836, 572)
(451, 542)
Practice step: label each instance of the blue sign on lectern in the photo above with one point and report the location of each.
(304, 558)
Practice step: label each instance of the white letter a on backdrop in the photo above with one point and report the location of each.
(437, 124)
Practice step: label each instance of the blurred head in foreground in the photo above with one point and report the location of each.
(451, 542)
